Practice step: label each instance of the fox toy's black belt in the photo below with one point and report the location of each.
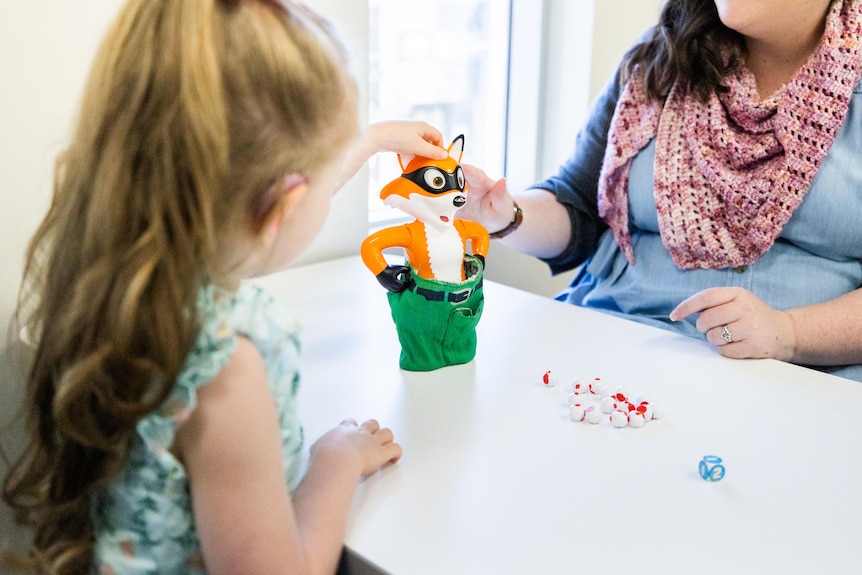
(453, 296)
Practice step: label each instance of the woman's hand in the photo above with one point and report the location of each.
(488, 201)
(740, 324)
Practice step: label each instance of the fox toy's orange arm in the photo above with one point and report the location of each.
(373, 246)
(392, 277)
(477, 234)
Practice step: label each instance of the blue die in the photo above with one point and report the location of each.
(710, 468)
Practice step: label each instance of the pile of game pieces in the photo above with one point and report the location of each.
(592, 402)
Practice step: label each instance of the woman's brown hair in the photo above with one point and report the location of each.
(193, 109)
(690, 45)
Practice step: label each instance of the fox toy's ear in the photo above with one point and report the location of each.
(456, 148)
(403, 160)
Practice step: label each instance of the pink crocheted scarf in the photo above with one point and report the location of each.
(730, 172)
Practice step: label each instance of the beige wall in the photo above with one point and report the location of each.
(617, 24)
(45, 50)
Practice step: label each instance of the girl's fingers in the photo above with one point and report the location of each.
(371, 425)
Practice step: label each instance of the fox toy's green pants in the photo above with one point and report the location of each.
(436, 321)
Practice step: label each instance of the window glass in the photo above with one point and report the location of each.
(444, 62)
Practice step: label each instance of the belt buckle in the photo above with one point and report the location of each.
(459, 296)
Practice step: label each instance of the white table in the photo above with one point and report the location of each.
(497, 479)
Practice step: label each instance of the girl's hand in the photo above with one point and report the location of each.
(365, 448)
(412, 138)
(488, 201)
(756, 330)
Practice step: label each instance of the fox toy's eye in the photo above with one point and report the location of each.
(436, 181)
(435, 178)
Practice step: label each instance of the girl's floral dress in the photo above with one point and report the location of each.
(143, 519)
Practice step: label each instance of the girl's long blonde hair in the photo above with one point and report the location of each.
(193, 110)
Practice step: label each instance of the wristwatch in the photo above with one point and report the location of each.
(517, 218)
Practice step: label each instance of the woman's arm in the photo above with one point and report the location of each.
(828, 333)
(545, 228)
(561, 222)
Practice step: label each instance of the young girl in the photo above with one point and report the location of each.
(161, 399)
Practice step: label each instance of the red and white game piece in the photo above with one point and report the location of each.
(577, 412)
(597, 387)
(619, 418)
(549, 378)
(645, 410)
(592, 414)
(579, 387)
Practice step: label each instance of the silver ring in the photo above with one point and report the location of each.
(726, 335)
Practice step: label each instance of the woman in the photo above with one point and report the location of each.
(716, 188)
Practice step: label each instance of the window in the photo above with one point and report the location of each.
(445, 62)
(511, 75)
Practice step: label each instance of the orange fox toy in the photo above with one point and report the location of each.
(437, 297)
(435, 242)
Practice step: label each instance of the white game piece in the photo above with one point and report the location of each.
(574, 398)
(577, 412)
(578, 386)
(619, 418)
(608, 404)
(549, 378)
(592, 414)
(636, 419)
(657, 411)
(647, 412)
(597, 387)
